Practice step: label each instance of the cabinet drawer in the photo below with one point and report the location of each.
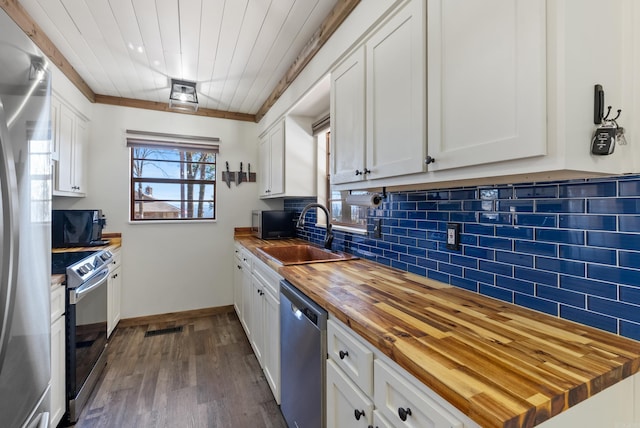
(245, 258)
(355, 359)
(57, 302)
(397, 399)
(347, 406)
(268, 276)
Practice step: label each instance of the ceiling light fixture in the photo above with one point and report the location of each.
(183, 95)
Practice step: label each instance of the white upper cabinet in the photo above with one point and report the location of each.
(395, 95)
(271, 166)
(347, 119)
(461, 91)
(487, 81)
(378, 102)
(287, 164)
(69, 141)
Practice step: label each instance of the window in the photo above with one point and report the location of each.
(172, 180)
(342, 213)
(345, 214)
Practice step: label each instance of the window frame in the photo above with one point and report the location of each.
(340, 224)
(181, 148)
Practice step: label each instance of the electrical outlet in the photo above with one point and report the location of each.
(453, 236)
(377, 228)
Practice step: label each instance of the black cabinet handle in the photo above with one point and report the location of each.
(343, 354)
(429, 160)
(364, 172)
(403, 413)
(239, 267)
(358, 414)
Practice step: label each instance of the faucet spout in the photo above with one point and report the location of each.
(328, 238)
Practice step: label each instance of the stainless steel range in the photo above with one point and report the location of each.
(86, 322)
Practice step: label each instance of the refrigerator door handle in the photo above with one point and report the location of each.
(10, 228)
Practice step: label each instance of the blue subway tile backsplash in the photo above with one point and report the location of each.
(568, 249)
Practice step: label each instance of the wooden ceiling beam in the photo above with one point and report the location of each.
(338, 14)
(153, 105)
(20, 16)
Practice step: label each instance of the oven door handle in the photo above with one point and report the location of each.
(78, 294)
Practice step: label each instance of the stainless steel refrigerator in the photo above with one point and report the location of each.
(25, 230)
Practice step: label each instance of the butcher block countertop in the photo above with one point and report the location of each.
(500, 364)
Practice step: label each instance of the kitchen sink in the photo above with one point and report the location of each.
(302, 254)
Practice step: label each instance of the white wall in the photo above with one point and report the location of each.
(169, 267)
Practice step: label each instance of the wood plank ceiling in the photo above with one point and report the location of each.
(242, 53)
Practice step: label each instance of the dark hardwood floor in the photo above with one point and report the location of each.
(204, 376)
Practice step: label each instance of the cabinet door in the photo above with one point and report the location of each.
(58, 402)
(271, 354)
(257, 319)
(264, 165)
(114, 296)
(237, 285)
(347, 120)
(79, 146)
(345, 402)
(396, 94)
(65, 180)
(246, 301)
(397, 399)
(486, 80)
(276, 139)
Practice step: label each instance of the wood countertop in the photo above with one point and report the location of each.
(500, 364)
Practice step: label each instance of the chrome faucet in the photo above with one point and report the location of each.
(328, 237)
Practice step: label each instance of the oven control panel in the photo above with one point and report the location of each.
(83, 270)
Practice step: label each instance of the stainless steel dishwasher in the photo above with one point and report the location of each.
(303, 351)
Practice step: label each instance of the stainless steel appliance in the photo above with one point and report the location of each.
(86, 322)
(25, 205)
(303, 351)
(274, 224)
(77, 228)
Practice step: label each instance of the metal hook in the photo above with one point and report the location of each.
(607, 115)
(617, 116)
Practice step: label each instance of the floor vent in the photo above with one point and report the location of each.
(169, 330)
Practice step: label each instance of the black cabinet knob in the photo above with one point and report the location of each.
(403, 413)
(343, 354)
(429, 160)
(358, 414)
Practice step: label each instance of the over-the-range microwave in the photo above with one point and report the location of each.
(273, 224)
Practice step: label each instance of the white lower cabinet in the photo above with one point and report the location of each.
(114, 292)
(271, 350)
(361, 379)
(257, 302)
(257, 318)
(58, 402)
(347, 405)
(237, 282)
(245, 284)
(404, 405)
(265, 315)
